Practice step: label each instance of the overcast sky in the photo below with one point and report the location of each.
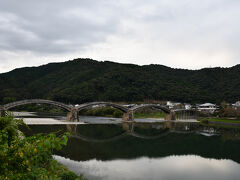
(178, 33)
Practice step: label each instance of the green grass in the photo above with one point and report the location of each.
(150, 115)
(216, 119)
(205, 122)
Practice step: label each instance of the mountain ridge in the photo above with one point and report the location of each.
(85, 80)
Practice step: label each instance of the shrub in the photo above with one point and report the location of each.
(204, 121)
(102, 111)
(117, 113)
(28, 157)
(68, 176)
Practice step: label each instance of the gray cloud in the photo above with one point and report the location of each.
(187, 33)
(53, 26)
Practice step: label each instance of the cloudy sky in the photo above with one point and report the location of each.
(178, 33)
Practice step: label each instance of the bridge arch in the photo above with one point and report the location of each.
(36, 101)
(170, 115)
(164, 109)
(117, 106)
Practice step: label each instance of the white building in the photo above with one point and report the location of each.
(207, 107)
(188, 106)
(173, 105)
(236, 105)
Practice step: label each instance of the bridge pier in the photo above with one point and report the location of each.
(72, 128)
(127, 126)
(128, 116)
(73, 115)
(170, 116)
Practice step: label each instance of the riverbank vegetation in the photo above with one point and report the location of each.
(218, 119)
(226, 115)
(30, 157)
(41, 108)
(102, 111)
(116, 113)
(149, 115)
(228, 111)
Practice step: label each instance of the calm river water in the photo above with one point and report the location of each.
(147, 151)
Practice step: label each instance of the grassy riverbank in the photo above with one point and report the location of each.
(30, 157)
(222, 119)
(220, 122)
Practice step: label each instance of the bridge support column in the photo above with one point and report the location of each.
(72, 129)
(73, 115)
(128, 116)
(170, 116)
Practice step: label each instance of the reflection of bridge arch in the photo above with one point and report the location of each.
(129, 131)
(87, 105)
(137, 135)
(115, 138)
(36, 101)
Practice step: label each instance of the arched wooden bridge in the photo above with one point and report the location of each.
(128, 113)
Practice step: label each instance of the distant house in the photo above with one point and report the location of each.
(188, 106)
(207, 107)
(174, 105)
(236, 105)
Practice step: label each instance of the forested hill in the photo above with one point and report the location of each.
(86, 80)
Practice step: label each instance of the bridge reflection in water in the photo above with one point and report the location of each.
(143, 130)
(131, 140)
(128, 113)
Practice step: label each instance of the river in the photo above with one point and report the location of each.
(107, 149)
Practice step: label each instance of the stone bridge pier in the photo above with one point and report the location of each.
(73, 115)
(128, 116)
(170, 116)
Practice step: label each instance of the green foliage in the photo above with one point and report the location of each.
(29, 157)
(226, 111)
(149, 115)
(8, 100)
(102, 111)
(68, 176)
(204, 121)
(39, 108)
(226, 120)
(85, 80)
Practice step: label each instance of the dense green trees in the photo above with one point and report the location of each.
(86, 80)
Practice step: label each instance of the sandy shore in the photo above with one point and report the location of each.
(32, 121)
